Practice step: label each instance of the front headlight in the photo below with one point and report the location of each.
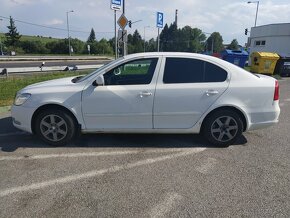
(21, 98)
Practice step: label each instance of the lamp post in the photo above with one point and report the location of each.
(145, 38)
(255, 2)
(212, 39)
(69, 48)
(0, 40)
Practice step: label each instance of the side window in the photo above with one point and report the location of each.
(183, 70)
(132, 73)
(189, 70)
(213, 73)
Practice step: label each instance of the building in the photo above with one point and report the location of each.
(270, 38)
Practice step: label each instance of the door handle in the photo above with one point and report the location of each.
(211, 92)
(145, 94)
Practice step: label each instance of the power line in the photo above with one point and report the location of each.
(48, 27)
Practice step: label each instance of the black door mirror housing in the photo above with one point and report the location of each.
(99, 81)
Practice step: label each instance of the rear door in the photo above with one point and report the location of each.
(186, 88)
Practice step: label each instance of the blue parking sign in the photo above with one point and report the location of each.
(116, 4)
(159, 20)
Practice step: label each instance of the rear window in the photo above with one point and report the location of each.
(189, 70)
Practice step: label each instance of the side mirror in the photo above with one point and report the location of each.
(99, 81)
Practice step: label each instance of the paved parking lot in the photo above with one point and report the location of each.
(147, 175)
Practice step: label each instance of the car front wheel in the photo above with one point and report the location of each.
(55, 127)
(223, 127)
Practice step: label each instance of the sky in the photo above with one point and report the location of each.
(229, 17)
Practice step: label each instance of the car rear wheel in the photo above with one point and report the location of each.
(223, 127)
(55, 127)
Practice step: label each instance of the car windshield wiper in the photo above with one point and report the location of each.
(74, 80)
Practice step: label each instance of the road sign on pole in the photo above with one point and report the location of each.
(122, 36)
(116, 5)
(159, 22)
(123, 21)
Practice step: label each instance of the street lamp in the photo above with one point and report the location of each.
(255, 2)
(145, 38)
(69, 48)
(212, 39)
(1, 41)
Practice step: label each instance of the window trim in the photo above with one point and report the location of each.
(204, 67)
(154, 58)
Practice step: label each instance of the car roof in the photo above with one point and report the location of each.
(181, 55)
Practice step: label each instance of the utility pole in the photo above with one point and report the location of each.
(124, 43)
(116, 40)
(145, 38)
(69, 47)
(116, 6)
(158, 41)
(257, 10)
(0, 39)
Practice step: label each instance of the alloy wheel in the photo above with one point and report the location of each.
(53, 128)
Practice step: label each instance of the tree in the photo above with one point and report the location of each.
(191, 39)
(103, 47)
(12, 37)
(164, 38)
(92, 37)
(234, 45)
(33, 47)
(216, 40)
(151, 45)
(186, 39)
(135, 43)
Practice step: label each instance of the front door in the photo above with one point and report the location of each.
(126, 99)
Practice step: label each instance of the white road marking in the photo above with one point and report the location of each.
(207, 166)
(13, 133)
(281, 104)
(287, 99)
(96, 173)
(89, 154)
(163, 208)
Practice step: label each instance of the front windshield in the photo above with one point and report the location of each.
(96, 71)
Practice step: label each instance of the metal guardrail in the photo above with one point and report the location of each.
(6, 71)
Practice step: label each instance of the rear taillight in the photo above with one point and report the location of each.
(276, 93)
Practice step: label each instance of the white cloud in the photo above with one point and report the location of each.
(54, 22)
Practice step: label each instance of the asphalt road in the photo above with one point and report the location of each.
(11, 64)
(147, 175)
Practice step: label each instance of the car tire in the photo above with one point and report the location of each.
(55, 127)
(223, 127)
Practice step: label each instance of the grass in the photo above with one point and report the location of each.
(43, 39)
(10, 86)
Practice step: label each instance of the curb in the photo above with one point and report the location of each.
(5, 109)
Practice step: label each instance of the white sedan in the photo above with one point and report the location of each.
(151, 93)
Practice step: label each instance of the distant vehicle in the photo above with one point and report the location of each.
(151, 93)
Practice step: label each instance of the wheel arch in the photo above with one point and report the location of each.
(238, 111)
(52, 106)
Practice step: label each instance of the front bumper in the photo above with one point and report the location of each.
(21, 117)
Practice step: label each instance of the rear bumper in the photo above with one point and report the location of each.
(264, 119)
(263, 125)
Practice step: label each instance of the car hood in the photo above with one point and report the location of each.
(52, 83)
